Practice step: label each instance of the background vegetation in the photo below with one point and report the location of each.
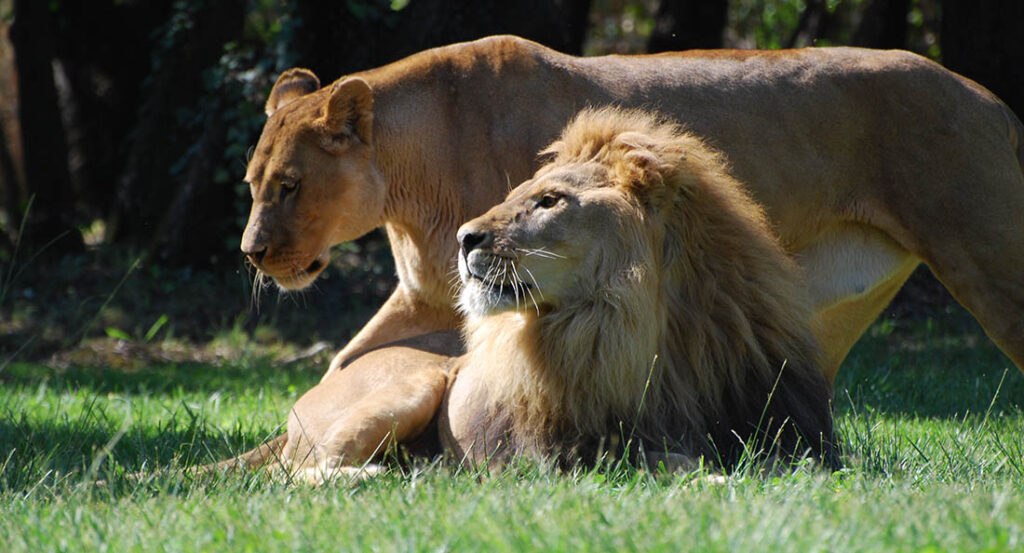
(125, 127)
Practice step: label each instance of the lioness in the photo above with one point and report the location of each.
(867, 163)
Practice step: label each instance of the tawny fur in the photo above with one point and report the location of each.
(861, 184)
(678, 331)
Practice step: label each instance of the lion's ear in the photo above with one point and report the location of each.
(643, 172)
(349, 110)
(647, 166)
(292, 84)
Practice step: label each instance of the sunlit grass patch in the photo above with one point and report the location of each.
(930, 422)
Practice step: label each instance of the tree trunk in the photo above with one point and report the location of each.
(686, 24)
(981, 39)
(9, 193)
(815, 23)
(44, 148)
(105, 48)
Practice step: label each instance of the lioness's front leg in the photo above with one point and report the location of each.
(402, 316)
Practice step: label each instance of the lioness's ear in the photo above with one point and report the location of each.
(349, 110)
(292, 84)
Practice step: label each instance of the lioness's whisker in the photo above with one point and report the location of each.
(454, 282)
(258, 283)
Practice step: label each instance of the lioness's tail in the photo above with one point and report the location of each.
(258, 457)
(1016, 134)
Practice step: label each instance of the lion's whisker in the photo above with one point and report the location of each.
(526, 288)
(503, 263)
(489, 276)
(535, 283)
(515, 282)
(541, 252)
(544, 251)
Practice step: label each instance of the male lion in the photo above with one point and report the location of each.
(631, 292)
(632, 289)
(867, 163)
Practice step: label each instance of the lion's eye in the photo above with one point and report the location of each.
(547, 201)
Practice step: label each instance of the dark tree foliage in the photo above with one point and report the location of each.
(156, 101)
(981, 39)
(883, 25)
(139, 113)
(163, 198)
(370, 34)
(686, 24)
(816, 22)
(559, 24)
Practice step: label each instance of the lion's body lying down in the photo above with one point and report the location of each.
(632, 289)
(630, 293)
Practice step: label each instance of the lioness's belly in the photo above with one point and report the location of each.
(853, 271)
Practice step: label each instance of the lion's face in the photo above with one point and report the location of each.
(553, 240)
(312, 177)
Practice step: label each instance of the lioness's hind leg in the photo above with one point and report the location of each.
(974, 243)
(386, 396)
(989, 282)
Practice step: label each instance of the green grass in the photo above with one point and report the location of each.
(931, 418)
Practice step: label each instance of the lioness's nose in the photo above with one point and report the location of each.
(255, 254)
(470, 239)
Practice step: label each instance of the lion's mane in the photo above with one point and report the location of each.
(697, 336)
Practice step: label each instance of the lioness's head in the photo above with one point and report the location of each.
(312, 177)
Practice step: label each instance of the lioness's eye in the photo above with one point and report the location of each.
(547, 201)
(290, 186)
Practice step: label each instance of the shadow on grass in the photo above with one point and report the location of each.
(941, 369)
(44, 440)
(65, 447)
(165, 378)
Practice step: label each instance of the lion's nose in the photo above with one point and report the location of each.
(470, 240)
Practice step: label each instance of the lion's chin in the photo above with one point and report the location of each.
(480, 300)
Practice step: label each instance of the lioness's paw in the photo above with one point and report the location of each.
(316, 476)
